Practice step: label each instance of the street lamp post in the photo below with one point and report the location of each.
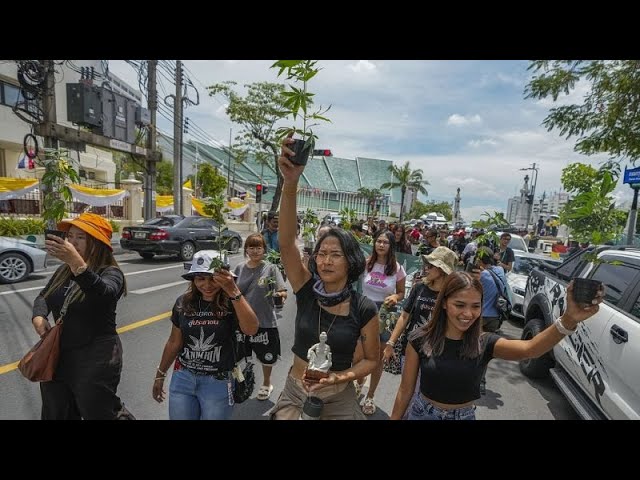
(534, 182)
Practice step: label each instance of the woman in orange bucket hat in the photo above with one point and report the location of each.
(91, 283)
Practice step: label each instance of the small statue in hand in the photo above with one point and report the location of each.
(319, 356)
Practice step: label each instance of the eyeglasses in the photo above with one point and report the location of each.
(324, 257)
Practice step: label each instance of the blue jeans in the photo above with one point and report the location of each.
(422, 409)
(199, 397)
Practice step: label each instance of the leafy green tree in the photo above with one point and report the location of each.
(371, 194)
(578, 177)
(164, 178)
(418, 209)
(591, 214)
(607, 121)
(405, 178)
(257, 113)
(210, 182)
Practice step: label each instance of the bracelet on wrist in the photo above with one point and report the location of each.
(562, 329)
(164, 374)
(158, 378)
(390, 343)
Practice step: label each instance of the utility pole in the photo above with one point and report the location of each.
(534, 182)
(49, 109)
(177, 142)
(229, 167)
(633, 214)
(195, 186)
(150, 176)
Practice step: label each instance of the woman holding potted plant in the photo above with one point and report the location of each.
(327, 305)
(262, 285)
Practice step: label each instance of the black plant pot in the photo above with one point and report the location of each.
(57, 233)
(301, 153)
(277, 301)
(585, 290)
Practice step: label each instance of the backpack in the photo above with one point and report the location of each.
(503, 305)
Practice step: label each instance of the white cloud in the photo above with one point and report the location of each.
(401, 111)
(461, 120)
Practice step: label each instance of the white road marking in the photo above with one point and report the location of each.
(157, 287)
(126, 275)
(22, 290)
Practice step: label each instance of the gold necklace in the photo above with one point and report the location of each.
(331, 325)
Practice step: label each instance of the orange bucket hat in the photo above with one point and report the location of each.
(93, 224)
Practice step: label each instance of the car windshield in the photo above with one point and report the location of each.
(162, 221)
(523, 265)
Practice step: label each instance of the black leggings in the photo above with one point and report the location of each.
(85, 383)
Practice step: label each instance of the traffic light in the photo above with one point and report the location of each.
(258, 193)
(265, 188)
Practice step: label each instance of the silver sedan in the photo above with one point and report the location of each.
(19, 258)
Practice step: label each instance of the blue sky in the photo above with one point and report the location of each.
(464, 123)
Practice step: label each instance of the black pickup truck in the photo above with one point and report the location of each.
(598, 367)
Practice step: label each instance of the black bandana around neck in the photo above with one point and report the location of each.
(330, 299)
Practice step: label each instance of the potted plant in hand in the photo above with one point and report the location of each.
(56, 192)
(270, 284)
(215, 207)
(298, 102)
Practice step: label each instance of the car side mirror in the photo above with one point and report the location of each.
(532, 250)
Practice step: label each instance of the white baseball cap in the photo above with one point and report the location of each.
(201, 263)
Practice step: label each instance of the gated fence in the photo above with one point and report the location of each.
(29, 206)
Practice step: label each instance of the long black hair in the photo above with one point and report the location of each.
(392, 265)
(351, 249)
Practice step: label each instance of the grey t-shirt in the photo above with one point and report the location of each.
(256, 285)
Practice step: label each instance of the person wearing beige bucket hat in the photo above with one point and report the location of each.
(90, 283)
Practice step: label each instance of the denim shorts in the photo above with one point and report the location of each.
(423, 409)
(200, 397)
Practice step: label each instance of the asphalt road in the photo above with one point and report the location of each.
(144, 324)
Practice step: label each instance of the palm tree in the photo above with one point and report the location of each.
(405, 178)
(371, 194)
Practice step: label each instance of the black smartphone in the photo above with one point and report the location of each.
(57, 233)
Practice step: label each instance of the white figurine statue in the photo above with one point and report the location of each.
(319, 355)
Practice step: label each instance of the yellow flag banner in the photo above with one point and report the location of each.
(187, 184)
(237, 208)
(164, 203)
(11, 188)
(199, 206)
(97, 197)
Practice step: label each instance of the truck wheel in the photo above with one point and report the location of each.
(535, 367)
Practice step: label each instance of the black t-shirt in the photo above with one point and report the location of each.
(207, 337)
(342, 331)
(419, 306)
(507, 256)
(94, 316)
(449, 378)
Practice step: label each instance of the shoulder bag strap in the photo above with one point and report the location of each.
(67, 299)
(495, 280)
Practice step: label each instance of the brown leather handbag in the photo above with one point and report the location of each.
(39, 364)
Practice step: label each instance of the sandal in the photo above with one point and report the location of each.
(368, 407)
(264, 392)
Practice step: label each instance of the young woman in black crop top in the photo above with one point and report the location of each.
(451, 351)
(326, 305)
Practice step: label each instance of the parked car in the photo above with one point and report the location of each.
(517, 278)
(183, 237)
(19, 259)
(596, 368)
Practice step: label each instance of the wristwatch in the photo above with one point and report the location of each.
(236, 298)
(80, 269)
